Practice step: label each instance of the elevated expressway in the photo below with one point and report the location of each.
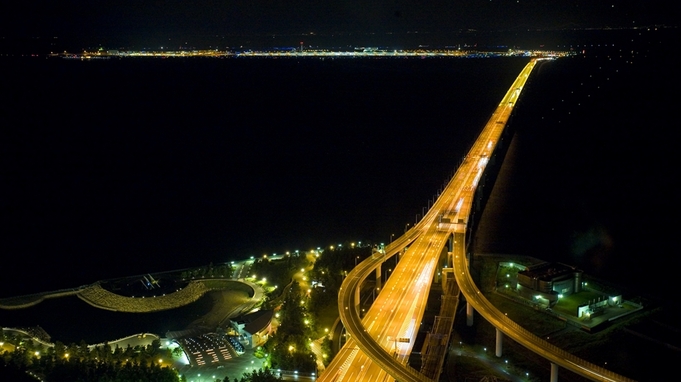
(379, 343)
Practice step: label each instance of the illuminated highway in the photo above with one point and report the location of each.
(381, 341)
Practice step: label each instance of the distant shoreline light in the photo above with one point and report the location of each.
(365, 52)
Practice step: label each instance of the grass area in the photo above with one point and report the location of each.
(570, 304)
(227, 284)
(21, 300)
(464, 369)
(516, 359)
(507, 276)
(492, 273)
(531, 319)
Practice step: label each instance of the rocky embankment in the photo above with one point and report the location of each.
(101, 298)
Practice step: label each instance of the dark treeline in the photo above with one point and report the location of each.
(330, 269)
(290, 349)
(278, 272)
(78, 362)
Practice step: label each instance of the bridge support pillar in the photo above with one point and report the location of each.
(447, 278)
(500, 340)
(554, 372)
(378, 277)
(469, 314)
(357, 299)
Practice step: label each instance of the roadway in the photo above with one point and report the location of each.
(374, 351)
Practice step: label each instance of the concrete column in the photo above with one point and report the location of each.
(379, 275)
(469, 314)
(554, 372)
(446, 273)
(500, 340)
(357, 300)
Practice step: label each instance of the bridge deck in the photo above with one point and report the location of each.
(376, 350)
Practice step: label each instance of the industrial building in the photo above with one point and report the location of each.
(549, 281)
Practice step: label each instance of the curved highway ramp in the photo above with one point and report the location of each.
(379, 343)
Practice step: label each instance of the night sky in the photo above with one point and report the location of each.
(138, 23)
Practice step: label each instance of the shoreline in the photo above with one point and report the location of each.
(241, 297)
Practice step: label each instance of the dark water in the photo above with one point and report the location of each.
(122, 167)
(125, 167)
(70, 320)
(592, 179)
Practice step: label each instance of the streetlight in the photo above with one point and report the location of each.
(391, 237)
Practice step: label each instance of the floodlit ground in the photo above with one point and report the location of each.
(569, 305)
(226, 304)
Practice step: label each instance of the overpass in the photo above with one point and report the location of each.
(381, 341)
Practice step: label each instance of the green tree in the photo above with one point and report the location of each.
(154, 347)
(118, 353)
(327, 349)
(20, 358)
(10, 372)
(261, 375)
(82, 350)
(59, 349)
(177, 351)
